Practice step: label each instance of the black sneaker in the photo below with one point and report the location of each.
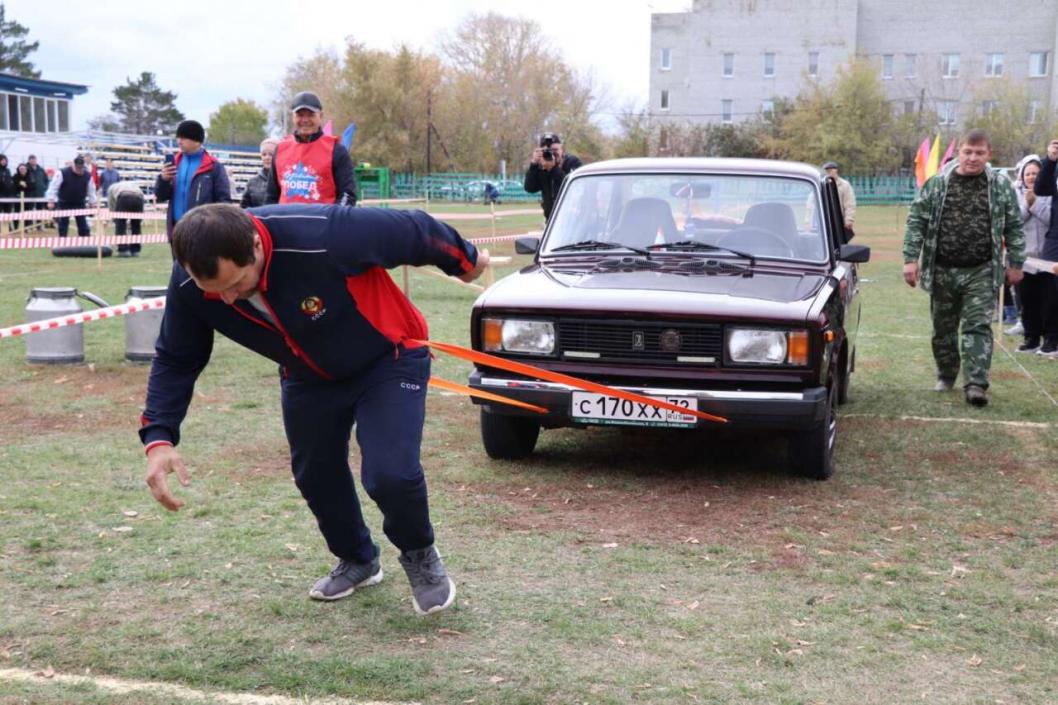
(975, 395)
(431, 588)
(345, 579)
(1029, 345)
(1048, 349)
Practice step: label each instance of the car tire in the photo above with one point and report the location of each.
(508, 437)
(812, 452)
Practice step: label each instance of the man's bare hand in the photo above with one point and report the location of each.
(483, 262)
(51, 205)
(911, 273)
(168, 172)
(162, 460)
(1014, 276)
(1052, 151)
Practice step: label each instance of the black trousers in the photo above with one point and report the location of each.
(64, 223)
(1039, 306)
(387, 404)
(128, 203)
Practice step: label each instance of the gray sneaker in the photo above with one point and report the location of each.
(976, 396)
(431, 588)
(345, 579)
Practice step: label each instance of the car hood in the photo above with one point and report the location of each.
(768, 294)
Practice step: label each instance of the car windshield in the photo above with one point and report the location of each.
(761, 216)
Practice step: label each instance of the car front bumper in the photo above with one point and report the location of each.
(798, 410)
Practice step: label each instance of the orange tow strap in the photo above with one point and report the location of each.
(461, 389)
(539, 373)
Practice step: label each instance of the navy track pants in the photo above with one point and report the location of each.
(387, 404)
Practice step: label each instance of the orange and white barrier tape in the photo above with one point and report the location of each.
(539, 373)
(79, 318)
(40, 243)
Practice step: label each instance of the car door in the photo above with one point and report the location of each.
(846, 273)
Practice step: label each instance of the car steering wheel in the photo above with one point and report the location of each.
(757, 241)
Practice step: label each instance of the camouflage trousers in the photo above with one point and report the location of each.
(962, 304)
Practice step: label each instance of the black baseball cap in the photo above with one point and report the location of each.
(78, 160)
(306, 100)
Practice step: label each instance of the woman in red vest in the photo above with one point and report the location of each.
(309, 166)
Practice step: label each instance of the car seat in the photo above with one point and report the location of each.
(642, 219)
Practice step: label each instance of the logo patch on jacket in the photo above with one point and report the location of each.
(300, 182)
(312, 306)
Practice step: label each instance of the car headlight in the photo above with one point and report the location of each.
(518, 336)
(767, 347)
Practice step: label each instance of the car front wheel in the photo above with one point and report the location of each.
(812, 452)
(508, 437)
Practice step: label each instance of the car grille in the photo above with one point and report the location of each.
(642, 342)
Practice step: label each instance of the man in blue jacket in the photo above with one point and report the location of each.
(307, 287)
(193, 179)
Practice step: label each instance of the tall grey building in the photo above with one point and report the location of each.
(727, 60)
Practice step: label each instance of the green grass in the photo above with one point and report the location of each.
(615, 566)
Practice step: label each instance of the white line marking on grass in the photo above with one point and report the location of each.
(1026, 372)
(949, 419)
(172, 690)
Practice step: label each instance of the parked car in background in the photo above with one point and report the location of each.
(715, 284)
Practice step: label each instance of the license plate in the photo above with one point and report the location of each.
(588, 407)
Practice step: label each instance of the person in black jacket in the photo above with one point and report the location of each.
(7, 187)
(256, 191)
(1047, 185)
(306, 286)
(548, 169)
(22, 188)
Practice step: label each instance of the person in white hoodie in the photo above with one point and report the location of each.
(1039, 305)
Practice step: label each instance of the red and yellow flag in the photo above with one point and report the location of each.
(933, 163)
(920, 163)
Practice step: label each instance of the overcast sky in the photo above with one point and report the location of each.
(211, 52)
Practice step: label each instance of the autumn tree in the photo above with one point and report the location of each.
(239, 121)
(143, 108)
(849, 121)
(14, 49)
(1015, 127)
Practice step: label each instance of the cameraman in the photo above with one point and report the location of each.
(548, 169)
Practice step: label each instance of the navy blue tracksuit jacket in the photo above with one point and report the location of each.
(341, 335)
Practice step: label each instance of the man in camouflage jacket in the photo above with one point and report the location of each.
(957, 228)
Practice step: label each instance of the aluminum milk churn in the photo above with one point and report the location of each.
(142, 327)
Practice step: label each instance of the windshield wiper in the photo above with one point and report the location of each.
(598, 245)
(695, 245)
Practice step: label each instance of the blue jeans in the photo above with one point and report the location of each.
(387, 404)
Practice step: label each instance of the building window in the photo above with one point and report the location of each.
(40, 121)
(729, 65)
(64, 116)
(1038, 63)
(664, 100)
(813, 63)
(767, 108)
(666, 59)
(988, 106)
(946, 111)
(993, 65)
(53, 116)
(887, 65)
(726, 107)
(769, 64)
(13, 113)
(910, 68)
(950, 65)
(3, 112)
(1034, 111)
(25, 110)
(909, 107)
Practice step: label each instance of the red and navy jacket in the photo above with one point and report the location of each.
(336, 309)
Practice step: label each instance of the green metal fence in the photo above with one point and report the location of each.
(883, 190)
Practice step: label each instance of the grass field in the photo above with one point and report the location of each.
(614, 566)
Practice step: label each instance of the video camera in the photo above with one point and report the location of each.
(546, 140)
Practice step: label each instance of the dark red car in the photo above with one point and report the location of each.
(723, 285)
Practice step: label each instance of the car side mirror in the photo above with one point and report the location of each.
(854, 253)
(527, 245)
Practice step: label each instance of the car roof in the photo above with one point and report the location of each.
(698, 165)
